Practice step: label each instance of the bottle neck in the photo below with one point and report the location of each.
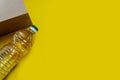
(33, 29)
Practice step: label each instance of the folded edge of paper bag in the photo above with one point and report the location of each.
(15, 23)
(13, 16)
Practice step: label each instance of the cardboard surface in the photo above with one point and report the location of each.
(13, 16)
(11, 8)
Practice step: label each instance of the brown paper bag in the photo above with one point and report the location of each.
(13, 16)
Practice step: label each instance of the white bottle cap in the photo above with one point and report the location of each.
(34, 28)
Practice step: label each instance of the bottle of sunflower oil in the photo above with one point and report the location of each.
(15, 50)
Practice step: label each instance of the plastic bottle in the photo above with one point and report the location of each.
(12, 53)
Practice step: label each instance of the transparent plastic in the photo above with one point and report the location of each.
(15, 50)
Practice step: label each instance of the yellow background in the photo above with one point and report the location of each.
(77, 40)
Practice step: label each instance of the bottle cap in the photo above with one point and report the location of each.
(34, 28)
